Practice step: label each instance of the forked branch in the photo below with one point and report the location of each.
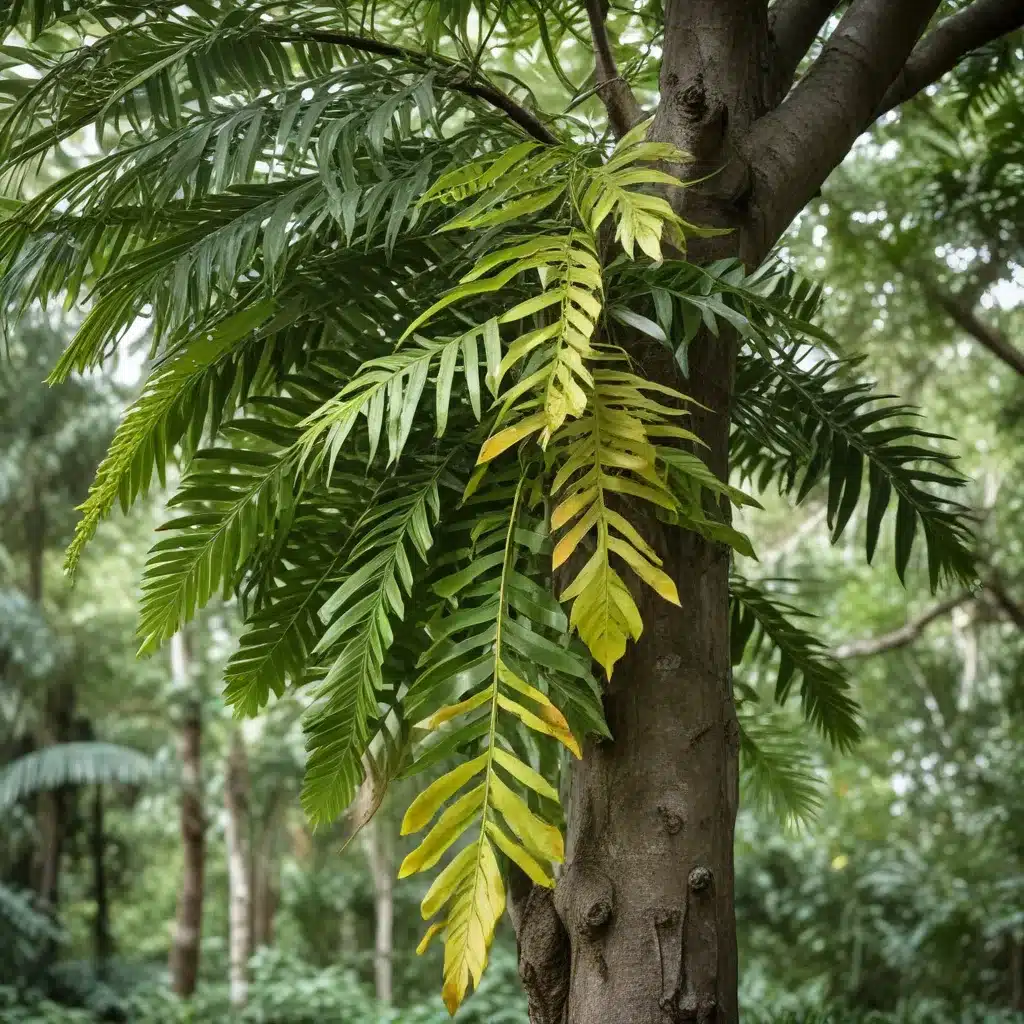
(623, 109)
(949, 42)
(794, 26)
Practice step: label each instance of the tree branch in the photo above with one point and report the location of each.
(617, 96)
(793, 148)
(901, 637)
(1013, 610)
(949, 42)
(794, 25)
(491, 94)
(964, 316)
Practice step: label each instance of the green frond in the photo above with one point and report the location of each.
(761, 625)
(375, 585)
(231, 497)
(171, 405)
(778, 773)
(802, 419)
(72, 764)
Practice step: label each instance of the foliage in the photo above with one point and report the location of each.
(326, 230)
(64, 764)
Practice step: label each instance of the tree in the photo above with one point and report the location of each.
(254, 160)
(237, 839)
(184, 956)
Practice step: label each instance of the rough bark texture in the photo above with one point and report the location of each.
(236, 838)
(184, 957)
(641, 926)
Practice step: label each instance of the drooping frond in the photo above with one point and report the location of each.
(361, 616)
(603, 460)
(801, 415)
(761, 625)
(70, 764)
(483, 684)
(778, 774)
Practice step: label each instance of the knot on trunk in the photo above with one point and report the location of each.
(700, 878)
(544, 953)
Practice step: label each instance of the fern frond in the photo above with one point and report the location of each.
(778, 773)
(170, 405)
(376, 581)
(758, 620)
(606, 454)
(802, 420)
(474, 686)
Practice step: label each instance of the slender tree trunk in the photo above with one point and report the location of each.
(101, 919)
(379, 855)
(266, 870)
(50, 804)
(184, 957)
(236, 804)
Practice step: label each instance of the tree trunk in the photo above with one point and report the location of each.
(184, 957)
(266, 870)
(236, 804)
(101, 919)
(379, 855)
(56, 717)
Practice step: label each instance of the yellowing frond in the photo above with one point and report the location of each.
(608, 453)
(492, 799)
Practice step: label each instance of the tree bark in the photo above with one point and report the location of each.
(641, 926)
(236, 804)
(101, 919)
(381, 861)
(184, 956)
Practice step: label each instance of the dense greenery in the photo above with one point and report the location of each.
(391, 515)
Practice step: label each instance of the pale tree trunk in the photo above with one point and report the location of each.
(379, 855)
(236, 838)
(641, 927)
(266, 880)
(184, 956)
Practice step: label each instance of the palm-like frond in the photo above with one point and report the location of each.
(70, 764)
(778, 774)
(760, 623)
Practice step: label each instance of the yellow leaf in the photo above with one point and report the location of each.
(518, 855)
(571, 507)
(504, 439)
(654, 577)
(427, 804)
(541, 838)
(450, 711)
(444, 885)
(475, 910)
(437, 926)
(449, 827)
(570, 541)
(538, 724)
(525, 774)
